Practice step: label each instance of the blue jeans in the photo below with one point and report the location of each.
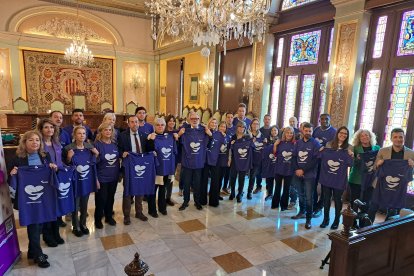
(305, 187)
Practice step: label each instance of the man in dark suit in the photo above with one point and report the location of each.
(131, 140)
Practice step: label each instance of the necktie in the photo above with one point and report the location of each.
(137, 143)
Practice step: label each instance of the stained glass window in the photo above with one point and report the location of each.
(290, 100)
(323, 87)
(304, 48)
(369, 101)
(308, 84)
(275, 99)
(280, 52)
(400, 102)
(379, 36)
(330, 44)
(289, 4)
(406, 40)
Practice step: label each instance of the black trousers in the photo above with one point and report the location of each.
(168, 190)
(255, 174)
(233, 176)
(318, 200)
(214, 193)
(269, 185)
(162, 204)
(33, 234)
(50, 231)
(337, 197)
(104, 200)
(224, 177)
(81, 205)
(191, 179)
(283, 200)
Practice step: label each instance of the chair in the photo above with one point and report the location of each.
(79, 101)
(217, 115)
(130, 108)
(106, 106)
(206, 116)
(20, 105)
(250, 115)
(185, 111)
(58, 106)
(199, 112)
(223, 117)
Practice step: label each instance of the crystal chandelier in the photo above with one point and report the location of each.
(209, 22)
(78, 53)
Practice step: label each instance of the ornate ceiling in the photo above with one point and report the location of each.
(126, 5)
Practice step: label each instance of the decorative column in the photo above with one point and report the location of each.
(345, 70)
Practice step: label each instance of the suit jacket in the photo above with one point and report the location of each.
(385, 153)
(124, 142)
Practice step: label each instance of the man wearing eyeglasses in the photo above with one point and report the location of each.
(194, 140)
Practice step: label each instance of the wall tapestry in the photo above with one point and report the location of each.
(49, 78)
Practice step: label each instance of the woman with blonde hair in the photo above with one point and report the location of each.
(363, 141)
(108, 168)
(30, 152)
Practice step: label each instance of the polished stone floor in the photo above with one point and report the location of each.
(247, 238)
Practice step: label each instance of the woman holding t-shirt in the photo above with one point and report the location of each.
(108, 173)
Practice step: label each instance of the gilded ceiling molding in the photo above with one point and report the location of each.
(63, 13)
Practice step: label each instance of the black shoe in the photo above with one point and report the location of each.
(231, 197)
(221, 198)
(98, 224)
(308, 224)
(324, 223)
(84, 230)
(164, 213)
(51, 243)
(154, 215)
(110, 221)
(59, 240)
(299, 216)
(198, 206)
(30, 256)
(77, 233)
(268, 197)
(317, 214)
(127, 221)
(335, 225)
(249, 196)
(42, 262)
(141, 217)
(273, 207)
(183, 206)
(283, 209)
(239, 198)
(169, 202)
(61, 223)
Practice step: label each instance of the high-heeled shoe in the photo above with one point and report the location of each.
(325, 223)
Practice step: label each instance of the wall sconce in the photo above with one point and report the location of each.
(206, 86)
(247, 90)
(137, 81)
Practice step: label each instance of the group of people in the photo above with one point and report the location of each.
(67, 164)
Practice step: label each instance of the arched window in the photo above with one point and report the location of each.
(289, 4)
(388, 78)
(301, 62)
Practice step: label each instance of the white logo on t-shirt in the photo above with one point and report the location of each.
(64, 188)
(166, 152)
(303, 155)
(242, 152)
(111, 158)
(140, 170)
(195, 146)
(393, 182)
(333, 166)
(34, 192)
(83, 170)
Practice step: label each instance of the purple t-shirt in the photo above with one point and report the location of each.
(306, 154)
(65, 190)
(367, 168)
(36, 194)
(242, 154)
(146, 129)
(284, 154)
(268, 162)
(166, 149)
(218, 140)
(223, 158)
(324, 136)
(334, 168)
(108, 166)
(258, 147)
(139, 171)
(393, 177)
(85, 163)
(194, 147)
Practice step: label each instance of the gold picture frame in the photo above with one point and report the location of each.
(194, 93)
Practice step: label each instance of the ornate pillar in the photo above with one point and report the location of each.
(345, 69)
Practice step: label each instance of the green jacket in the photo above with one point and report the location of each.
(355, 174)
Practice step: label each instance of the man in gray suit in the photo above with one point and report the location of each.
(396, 151)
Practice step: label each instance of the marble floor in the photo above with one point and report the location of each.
(247, 238)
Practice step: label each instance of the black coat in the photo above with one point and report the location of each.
(124, 142)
